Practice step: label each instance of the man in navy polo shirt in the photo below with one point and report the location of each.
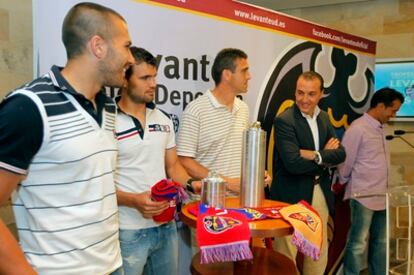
(147, 154)
(58, 153)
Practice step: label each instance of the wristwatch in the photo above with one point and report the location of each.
(188, 185)
(317, 158)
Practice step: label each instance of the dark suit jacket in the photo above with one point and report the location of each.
(293, 175)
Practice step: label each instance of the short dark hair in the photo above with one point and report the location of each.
(387, 96)
(140, 55)
(311, 75)
(83, 21)
(225, 60)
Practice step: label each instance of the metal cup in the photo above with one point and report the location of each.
(213, 191)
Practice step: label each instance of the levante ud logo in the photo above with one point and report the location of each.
(307, 219)
(219, 224)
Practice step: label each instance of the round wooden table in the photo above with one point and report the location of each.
(258, 229)
(265, 261)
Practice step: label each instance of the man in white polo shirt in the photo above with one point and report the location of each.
(147, 154)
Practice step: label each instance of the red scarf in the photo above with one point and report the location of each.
(223, 236)
(168, 190)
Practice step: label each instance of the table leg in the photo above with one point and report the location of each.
(265, 261)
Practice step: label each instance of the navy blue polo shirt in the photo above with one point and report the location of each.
(21, 126)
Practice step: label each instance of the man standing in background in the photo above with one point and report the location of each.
(366, 171)
(58, 152)
(147, 155)
(305, 146)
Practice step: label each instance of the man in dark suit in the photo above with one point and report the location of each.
(305, 146)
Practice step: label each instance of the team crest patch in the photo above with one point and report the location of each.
(306, 218)
(218, 225)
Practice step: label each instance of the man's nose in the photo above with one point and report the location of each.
(153, 81)
(131, 59)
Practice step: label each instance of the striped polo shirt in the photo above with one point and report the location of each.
(65, 209)
(213, 135)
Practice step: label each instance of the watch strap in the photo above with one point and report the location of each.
(189, 185)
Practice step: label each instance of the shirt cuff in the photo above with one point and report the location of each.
(319, 162)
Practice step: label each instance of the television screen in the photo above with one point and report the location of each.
(399, 75)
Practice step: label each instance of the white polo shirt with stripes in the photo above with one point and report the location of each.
(213, 135)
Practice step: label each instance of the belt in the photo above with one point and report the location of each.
(316, 180)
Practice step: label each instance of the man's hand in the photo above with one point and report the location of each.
(267, 179)
(338, 188)
(232, 184)
(148, 208)
(196, 186)
(332, 144)
(307, 154)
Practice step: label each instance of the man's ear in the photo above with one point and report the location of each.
(98, 46)
(381, 105)
(226, 74)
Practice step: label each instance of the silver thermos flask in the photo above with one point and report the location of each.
(253, 166)
(213, 191)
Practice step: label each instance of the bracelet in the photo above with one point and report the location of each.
(188, 185)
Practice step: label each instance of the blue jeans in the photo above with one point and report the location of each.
(150, 250)
(119, 271)
(366, 223)
(184, 249)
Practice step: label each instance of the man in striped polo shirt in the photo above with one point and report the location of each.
(211, 130)
(58, 153)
